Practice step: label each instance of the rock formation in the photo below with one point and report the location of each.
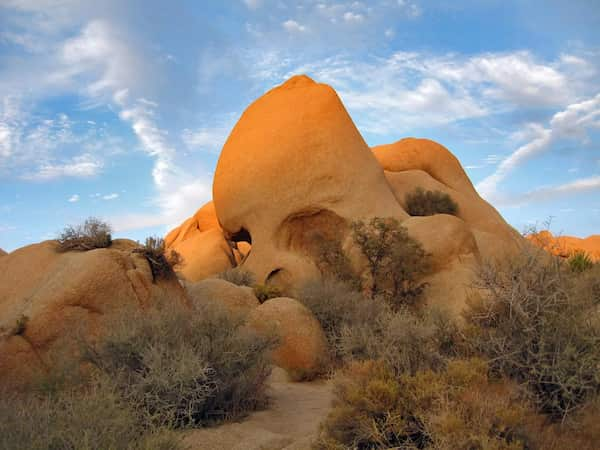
(46, 297)
(302, 347)
(2, 253)
(566, 246)
(289, 172)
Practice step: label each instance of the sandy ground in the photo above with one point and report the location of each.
(291, 422)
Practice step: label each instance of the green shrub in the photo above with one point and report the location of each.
(264, 292)
(162, 263)
(92, 234)
(238, 276)
(427, 203)
(90, 419)
(457, 408)
(396, 261)
(184, 368)
(539, 324)
(580, 261)
(332, 262)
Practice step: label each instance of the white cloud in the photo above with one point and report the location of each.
(211, 139)
(82, 166)
(73, 198)
(112, 196)
(293, 27)
(572, 122)
(354, 18)
(582, 185)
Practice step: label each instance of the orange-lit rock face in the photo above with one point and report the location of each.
(566, 246)
(199, 240)
(293, 163)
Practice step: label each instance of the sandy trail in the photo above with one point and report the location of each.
(291, 421)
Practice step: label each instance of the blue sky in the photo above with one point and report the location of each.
(118, 109)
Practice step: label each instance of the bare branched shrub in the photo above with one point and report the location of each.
(539, 323)
(162, 262)
(184, 368)
(95, 418)
(427, 203)
(92, 234)
(396, 261)
(359, 328)
(238, 276)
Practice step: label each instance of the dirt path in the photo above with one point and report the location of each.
(291, 422)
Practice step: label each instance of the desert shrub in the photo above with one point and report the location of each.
(358, 328)
(183, 368)
(264, 292)
(94, 418)
(459, 407)
(93, 233)
(238, 276)
(332, 262)
(427, 203)
(337, 307)
(403, 340)
(539, 324)
(580, 261)
(396, 261)
(162, 262)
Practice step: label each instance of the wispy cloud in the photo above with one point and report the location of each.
(572, 122)
(112, 196)
(82, 166)
(293, 27)
(73, 198)
(579, 186)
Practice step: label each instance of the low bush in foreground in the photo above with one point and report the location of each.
(359, 328)
(539, 324)
(96, 418)
(427, 203)
(456, 408)
(93, 233)
(183, 368)
(153, 371)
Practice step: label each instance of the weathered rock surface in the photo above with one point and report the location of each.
(566, 246)
(237, 299)
(302, 347)
(201, 243)
(45, 296)
(286, 170)
(289, 172)
(2, 253)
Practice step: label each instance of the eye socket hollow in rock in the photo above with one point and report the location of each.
(242, 235)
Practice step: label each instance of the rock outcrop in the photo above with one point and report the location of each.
(46, 297)
(2, 253)
(565, 246)
(295, 166)
(302, 347)
(238, 300)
